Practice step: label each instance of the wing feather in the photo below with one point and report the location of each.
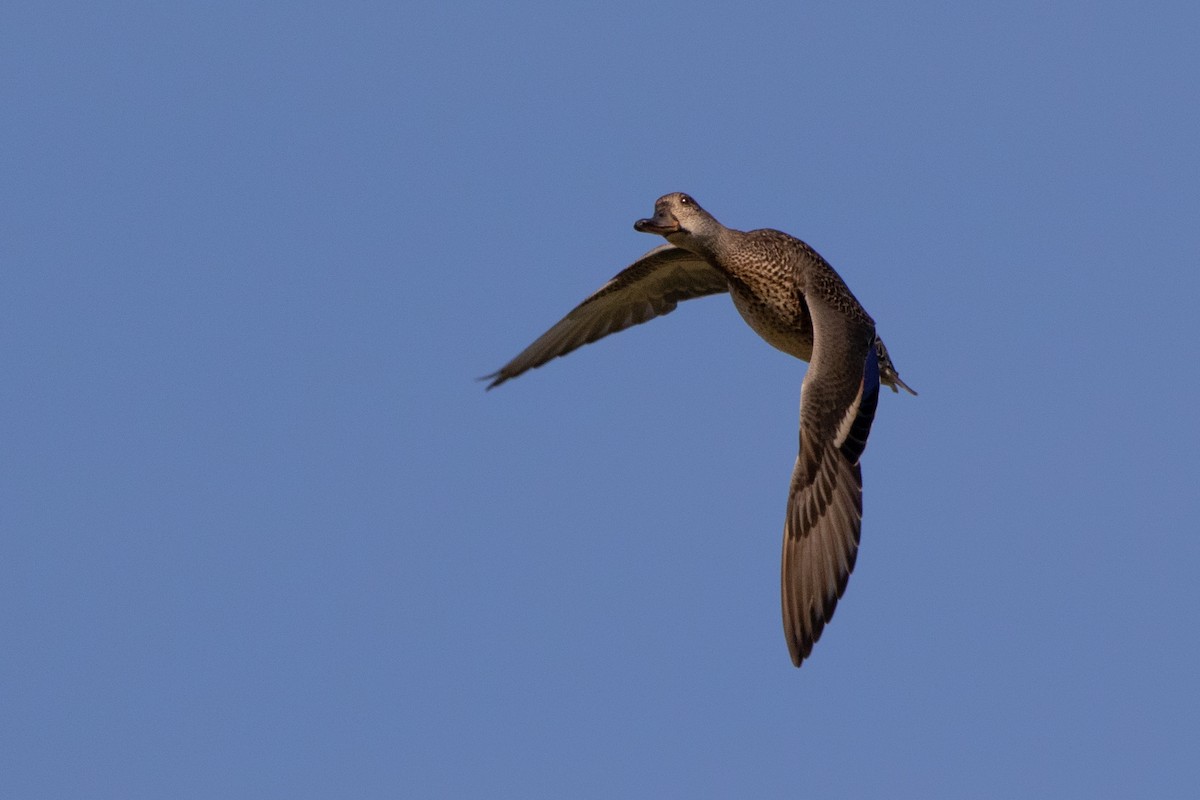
(648, 288)
(824, 517)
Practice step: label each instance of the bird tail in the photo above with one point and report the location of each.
(888, 375)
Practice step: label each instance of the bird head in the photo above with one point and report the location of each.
(681, 221)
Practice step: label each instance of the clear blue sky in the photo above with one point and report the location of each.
(264, 535)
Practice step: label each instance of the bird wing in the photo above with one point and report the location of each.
(648, 288)
(824, 515)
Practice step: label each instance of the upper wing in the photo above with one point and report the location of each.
(649, 287)
(824, 516)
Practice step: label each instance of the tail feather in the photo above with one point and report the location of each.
(888, 375)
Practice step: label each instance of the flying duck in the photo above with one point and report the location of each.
(794, 300)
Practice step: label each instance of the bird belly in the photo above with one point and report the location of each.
(789, 332)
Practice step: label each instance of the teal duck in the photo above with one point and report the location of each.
(794, 300)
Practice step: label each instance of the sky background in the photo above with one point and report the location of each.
(264, 534)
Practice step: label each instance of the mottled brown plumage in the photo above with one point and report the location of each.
(797, 303)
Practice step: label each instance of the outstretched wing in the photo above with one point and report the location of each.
(824, 515)
(648, 288)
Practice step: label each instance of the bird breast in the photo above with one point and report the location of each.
(785, 328)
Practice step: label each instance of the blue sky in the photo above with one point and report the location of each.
(264, 535)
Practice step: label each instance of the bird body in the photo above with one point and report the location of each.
(797, 303)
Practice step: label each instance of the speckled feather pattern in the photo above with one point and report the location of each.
(771, 276)
(796, 302)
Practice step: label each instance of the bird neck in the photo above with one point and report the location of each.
(712, 246)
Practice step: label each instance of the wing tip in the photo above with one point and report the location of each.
(800, 642)
(496, 379)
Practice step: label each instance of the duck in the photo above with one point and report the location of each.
(795, 301)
